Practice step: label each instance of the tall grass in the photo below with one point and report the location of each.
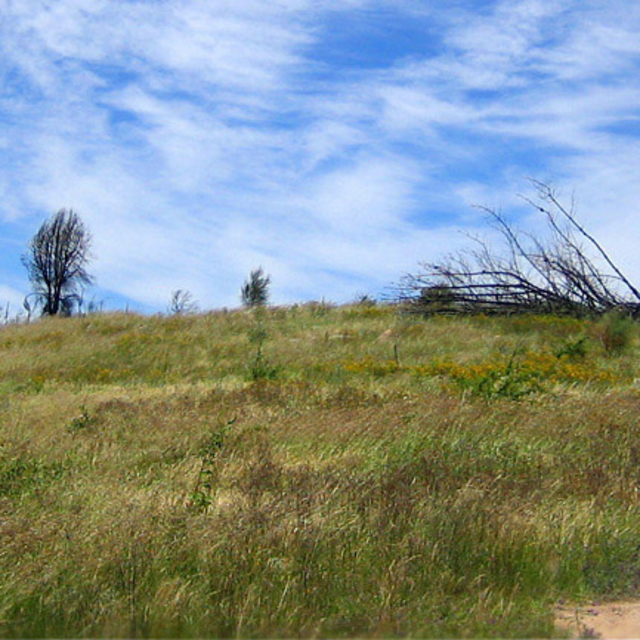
(150, 488)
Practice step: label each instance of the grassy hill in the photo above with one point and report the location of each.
(315, 471)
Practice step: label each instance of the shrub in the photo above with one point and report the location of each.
(615, 332)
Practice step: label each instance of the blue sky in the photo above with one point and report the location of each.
(336, 143)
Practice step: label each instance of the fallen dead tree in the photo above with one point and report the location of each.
(525, 274)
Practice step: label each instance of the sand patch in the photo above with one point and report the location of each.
(600, 620)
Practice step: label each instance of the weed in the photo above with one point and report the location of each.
(260, 368)
(574, 349)
(513, 382)
(201, 497)
(81, 421)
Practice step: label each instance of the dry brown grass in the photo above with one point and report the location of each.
(149, 487)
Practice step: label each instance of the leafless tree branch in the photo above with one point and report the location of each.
(526, 273)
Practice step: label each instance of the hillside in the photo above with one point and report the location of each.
(315, 471)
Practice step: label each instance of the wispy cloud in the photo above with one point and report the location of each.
(200, 140)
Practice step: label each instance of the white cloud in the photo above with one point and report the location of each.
(10, 302)
(363, 199)
(200, 140)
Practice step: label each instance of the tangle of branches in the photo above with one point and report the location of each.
(556, 275)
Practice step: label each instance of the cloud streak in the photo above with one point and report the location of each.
(200, 140)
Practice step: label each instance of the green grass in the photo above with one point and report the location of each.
(375, 475)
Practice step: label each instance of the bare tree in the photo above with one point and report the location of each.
(182, 303)
(255, 291)
(527, 273)
(56, 262)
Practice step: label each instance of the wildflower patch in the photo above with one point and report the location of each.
(499, 376)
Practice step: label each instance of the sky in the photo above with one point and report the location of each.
(335, 143)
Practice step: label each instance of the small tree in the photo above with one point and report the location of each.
(56, 263)
(182, 303)
(255, 291)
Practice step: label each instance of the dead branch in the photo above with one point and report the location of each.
(525, 274)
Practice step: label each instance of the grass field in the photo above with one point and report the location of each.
(315, 471)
